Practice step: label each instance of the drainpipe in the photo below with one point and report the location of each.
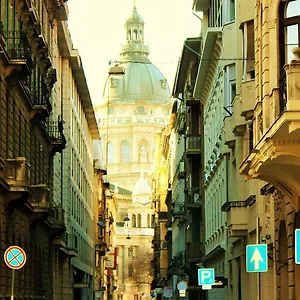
(62, 118)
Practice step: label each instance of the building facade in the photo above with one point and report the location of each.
(32, 138)
(47, 174)
(78, 166)
(273, 144)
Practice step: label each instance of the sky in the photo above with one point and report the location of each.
(97, 31)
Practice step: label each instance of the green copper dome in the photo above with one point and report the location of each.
(142, 80)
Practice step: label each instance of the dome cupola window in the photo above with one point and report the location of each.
(163, 83)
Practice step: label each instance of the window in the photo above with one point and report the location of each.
(140, 110)
(248, 50)
(289, 37)
(110, 152)
(130, 270)
(148, 221)
(111, 110)
(130, 252)
(229, 11)
(125, 152)
(139, 221)
(133, 221)
(289, 29)
(230, 88)
(153, 221)
(113, 82)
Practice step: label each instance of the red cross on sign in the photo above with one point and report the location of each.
(15, 257)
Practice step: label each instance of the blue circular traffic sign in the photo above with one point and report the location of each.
(182, 285)
(15, 257)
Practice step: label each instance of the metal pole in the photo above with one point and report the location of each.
(12, 285)
(258, 274)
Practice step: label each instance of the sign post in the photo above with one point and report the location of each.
(15, 258)
(206, 278)
(257, 258)
(182, 287)
(297, 246)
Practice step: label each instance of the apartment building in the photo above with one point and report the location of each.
(47, 174)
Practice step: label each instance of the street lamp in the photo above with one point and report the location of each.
(126, 220)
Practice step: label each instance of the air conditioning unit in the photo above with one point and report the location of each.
(196, 198)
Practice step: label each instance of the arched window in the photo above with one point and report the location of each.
(133, 218)
(289, 29)
(139, 221)
(125, 152)
(135, 33)
(110, 152)
(289, 37)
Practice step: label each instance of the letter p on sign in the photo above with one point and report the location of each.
(206, 276)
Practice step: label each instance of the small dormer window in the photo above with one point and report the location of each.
(163, 83)
(140, 110)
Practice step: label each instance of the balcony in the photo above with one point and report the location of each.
(67, 243)
(40, 104)
(237, 216)
(193, 252)
(181, 123)
(15, 52)
(38, 202)
(57, 138)
(193, 145)
(201, 5)
(248, 97)
(17, 175)
(274, 157)
(56, 220)
(193, 198)
(72, 242)
(190, 100)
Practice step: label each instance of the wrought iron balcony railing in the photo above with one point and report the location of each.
(282, 93)
(193, 144)
(17, 45)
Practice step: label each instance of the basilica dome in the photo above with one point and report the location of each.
(142, 80)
